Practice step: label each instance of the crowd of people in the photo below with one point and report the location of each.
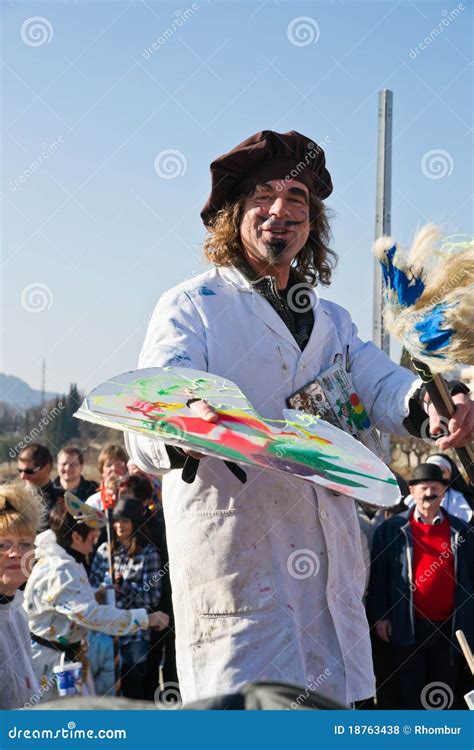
(229, 541)
(55, 578)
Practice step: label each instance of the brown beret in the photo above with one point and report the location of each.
(262, 157)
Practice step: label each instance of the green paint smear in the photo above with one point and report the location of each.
(148, 390)
(312, 458)
(320, 462)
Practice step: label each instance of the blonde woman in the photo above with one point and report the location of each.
(21, 512)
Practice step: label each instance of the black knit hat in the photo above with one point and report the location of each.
(128, 507)
(265, 156)
(427, 473)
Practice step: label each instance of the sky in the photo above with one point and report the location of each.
(113, 111)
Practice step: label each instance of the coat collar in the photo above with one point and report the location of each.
(457, 525)
(47, 546)
(262, 309)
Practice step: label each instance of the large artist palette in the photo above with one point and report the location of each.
(153, 402)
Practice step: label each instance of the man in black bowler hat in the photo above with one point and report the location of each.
(421, 592)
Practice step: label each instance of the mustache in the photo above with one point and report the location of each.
(271, 222)
(430, 498)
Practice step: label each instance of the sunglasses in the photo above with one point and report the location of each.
(29, 472)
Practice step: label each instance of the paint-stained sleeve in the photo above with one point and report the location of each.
(72, 596)
(176, 337)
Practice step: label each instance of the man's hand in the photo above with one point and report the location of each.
(158, 620)
(204, 411)
(383, 628)
(460, 426)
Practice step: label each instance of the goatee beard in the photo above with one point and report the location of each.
(275, 248)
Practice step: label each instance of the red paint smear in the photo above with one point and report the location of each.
(230, 439)
(143, 407)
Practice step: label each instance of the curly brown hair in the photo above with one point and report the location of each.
(314, 262)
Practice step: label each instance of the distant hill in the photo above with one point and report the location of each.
(15, 391)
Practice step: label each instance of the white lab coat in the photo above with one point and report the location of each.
(267, 576)
(18, 684)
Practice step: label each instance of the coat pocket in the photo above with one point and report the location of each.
(232, 572)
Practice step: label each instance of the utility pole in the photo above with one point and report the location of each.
(383, 206)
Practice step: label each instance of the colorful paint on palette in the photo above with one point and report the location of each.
(154, 402)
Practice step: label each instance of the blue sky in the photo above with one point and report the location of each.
(92, 234)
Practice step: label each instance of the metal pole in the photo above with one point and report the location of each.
(108, 502)
(383, 205)
(115, 640)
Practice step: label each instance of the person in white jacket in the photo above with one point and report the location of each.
(267, 575)
(61, 604)
(21, 514)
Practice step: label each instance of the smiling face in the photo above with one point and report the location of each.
(275, 223)
(29, 471)
(69, 466)
(428, 496)
(16, 561)
(123, 527)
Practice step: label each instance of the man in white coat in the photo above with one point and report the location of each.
(268, 574)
